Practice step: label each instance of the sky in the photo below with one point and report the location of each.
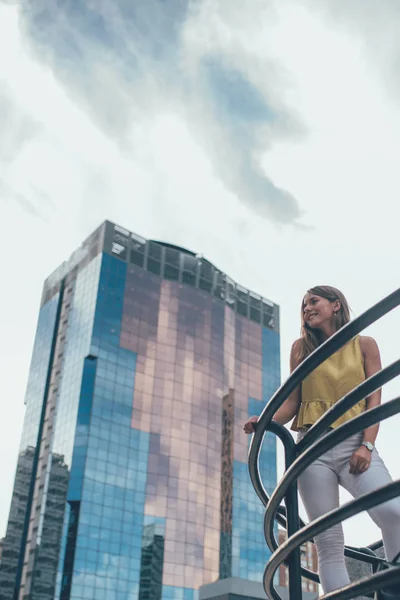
(264, 135)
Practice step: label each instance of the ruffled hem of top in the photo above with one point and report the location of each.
(310, 412)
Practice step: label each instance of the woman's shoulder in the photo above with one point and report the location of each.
(368, 345)
(297, 347)
(295, 353)
(297, 344)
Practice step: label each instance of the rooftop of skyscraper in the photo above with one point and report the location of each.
(169, 262)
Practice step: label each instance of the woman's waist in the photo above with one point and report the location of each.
(330, 401)
(310, 411)
(305, 428)
(353, 440)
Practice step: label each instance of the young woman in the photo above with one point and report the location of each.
(354, 463)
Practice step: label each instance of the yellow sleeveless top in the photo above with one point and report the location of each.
(329, 382)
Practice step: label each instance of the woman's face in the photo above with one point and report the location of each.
(318, 311)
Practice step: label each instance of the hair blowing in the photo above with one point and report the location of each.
(310, 338)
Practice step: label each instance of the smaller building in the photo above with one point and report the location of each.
(243, 589)
(308, 560)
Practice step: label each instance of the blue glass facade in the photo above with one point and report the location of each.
(38, 372)
(159, 361)
(109, 467)
(250, 552)
(28, 456)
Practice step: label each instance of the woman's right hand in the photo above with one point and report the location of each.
(249, 425)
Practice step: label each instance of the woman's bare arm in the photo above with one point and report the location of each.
(372, 364)
(290, 407)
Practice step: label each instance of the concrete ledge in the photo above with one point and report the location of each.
(235, 588)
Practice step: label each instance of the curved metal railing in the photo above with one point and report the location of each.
(299, 456)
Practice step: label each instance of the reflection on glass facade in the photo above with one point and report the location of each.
(12, 541)
(147, 362)
(152, 560)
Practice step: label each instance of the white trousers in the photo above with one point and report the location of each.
(319, 490)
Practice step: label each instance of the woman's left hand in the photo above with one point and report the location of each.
(360, 460)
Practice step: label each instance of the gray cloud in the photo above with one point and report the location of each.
(17, 129)
(30, 206)
(241, 125)
(126, 62)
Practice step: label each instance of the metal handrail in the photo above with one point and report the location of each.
(299, 456)
(330, 440)
(383, 494)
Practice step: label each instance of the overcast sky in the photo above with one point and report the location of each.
(265, 137)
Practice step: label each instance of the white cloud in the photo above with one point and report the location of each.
(144, 144)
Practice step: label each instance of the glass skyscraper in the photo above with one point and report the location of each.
(132, 480)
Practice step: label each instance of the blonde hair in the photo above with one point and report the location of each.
(311, 338)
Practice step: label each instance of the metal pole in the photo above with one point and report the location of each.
(292, 511)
